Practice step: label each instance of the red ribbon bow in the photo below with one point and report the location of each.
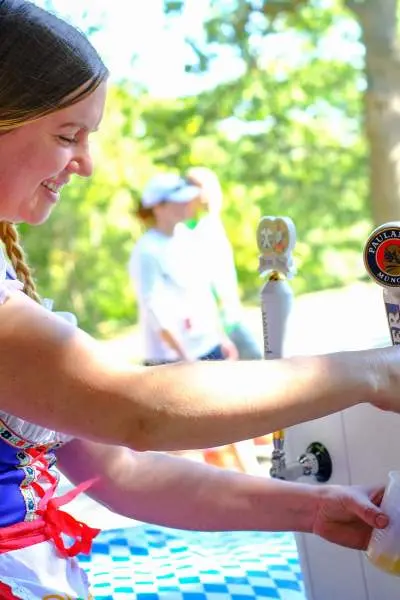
(57, 522)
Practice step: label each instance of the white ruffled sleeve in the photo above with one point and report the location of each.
(7, 286)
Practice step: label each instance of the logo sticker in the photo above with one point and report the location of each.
(382, 255)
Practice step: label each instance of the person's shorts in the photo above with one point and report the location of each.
(214, 354)
(247, 346)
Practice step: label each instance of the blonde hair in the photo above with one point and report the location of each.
(209, 183)
(45, 65)
(10, 238)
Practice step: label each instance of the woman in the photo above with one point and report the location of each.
(218, 255)
(178, 313)
(60, 395)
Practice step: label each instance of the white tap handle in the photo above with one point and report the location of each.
(276, 238)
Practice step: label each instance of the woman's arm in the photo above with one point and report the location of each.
(53, 374)
(175, 492)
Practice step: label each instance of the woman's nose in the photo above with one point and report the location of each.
(81, 165)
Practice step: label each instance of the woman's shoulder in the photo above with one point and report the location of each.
(15, 430)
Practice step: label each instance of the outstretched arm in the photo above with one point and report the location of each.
(55, 375)
(175, 492)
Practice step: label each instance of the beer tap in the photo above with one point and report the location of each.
(276, 239)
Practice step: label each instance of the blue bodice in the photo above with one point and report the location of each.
(27, 468)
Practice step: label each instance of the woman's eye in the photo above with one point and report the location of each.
(67, 140)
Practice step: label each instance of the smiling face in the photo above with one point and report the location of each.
(38, 159)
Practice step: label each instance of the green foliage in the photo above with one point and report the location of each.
(283, 136)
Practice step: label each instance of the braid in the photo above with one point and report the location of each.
(10, 238)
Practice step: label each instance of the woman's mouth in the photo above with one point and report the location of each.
(53, 187)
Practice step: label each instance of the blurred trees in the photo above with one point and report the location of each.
(284, 133)
(379, 28)
(246, 26)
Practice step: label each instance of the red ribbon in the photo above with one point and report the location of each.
(52, 523)
(57, 522)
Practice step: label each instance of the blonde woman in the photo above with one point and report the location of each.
(218, 255)
(62, 399)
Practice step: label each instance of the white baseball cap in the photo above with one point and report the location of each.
(168, 187)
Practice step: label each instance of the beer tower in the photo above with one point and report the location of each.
(363, 443)
(276, 239)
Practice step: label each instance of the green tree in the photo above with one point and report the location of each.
(244, 23)
(379, 32)
(284, 134)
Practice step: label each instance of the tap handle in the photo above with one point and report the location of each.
(276, 238)
(382, 262)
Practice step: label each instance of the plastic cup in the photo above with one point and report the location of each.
(384, 547)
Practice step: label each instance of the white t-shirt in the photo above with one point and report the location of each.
(174, 292)
(218, 256)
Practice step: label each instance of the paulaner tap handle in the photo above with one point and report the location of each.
(382, 262)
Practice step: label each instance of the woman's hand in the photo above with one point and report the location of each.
(346, 515)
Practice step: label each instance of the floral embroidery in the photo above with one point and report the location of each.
(11, 438)
(31, 503)
(27, 457)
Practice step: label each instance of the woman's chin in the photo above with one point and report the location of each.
(36, 217)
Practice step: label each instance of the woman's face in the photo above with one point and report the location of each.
(38, 159)
(169, 214)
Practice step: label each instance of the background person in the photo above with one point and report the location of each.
(219, 257)
(178, 314)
